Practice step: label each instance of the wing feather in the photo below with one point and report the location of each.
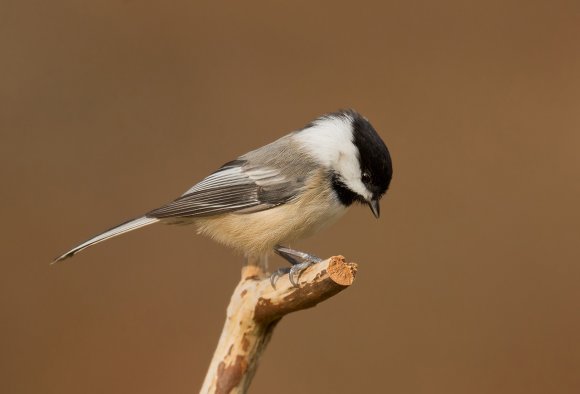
(236, 186)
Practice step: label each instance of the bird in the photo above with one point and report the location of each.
(281, 192)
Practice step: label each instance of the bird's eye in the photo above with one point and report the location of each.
(365, 177)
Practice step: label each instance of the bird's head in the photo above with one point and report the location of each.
(358, 160)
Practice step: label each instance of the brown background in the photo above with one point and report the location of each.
(469, 283)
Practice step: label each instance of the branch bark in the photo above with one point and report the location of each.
(254, 310)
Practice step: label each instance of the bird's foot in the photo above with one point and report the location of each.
(299, 260)
(277, 274)
(295, 257)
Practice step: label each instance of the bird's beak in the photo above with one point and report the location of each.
(375, 207)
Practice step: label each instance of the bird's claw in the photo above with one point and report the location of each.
(299, 260)
(296, 270)
(293, 272)
(278, 273)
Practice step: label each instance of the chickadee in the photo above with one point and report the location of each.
(281, 192)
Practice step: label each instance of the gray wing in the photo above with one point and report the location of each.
(236, 186)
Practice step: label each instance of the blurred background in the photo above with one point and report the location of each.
(469, 283)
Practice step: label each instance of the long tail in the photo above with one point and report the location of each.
(118, 230)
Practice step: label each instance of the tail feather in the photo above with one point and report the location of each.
(118, 230)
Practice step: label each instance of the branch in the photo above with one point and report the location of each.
(255, 309)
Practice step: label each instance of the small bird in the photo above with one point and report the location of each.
(281, 192)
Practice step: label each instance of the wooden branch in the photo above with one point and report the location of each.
(255, 309)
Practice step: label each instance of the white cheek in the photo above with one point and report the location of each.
(330, 142)
(350, 171)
